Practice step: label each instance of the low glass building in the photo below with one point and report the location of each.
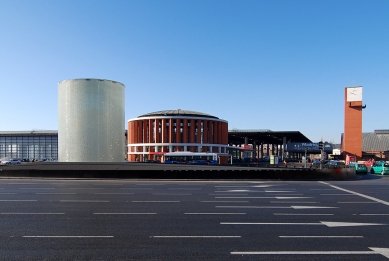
(29, 145)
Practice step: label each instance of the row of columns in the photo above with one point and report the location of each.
(164, 131)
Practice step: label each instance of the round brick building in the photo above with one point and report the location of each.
(152, 135)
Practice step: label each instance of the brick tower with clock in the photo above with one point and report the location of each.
(352, 137)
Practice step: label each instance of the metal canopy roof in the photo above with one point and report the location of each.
(265, 136)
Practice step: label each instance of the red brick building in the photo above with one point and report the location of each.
(152, 135)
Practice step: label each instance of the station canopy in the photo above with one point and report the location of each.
(264, 136)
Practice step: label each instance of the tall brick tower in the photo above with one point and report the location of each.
(352, 137)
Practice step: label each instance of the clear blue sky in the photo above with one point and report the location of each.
(278, 64)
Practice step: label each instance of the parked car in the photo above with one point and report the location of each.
(380, 167)
(316, 162)
(359, 168)
(334, 164)
(10, 161)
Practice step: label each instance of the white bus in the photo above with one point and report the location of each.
(191, 158)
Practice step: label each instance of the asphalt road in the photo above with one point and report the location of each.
(65, 219)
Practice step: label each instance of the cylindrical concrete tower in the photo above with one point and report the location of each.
(91, 121)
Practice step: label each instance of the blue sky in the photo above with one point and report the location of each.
(279, 64)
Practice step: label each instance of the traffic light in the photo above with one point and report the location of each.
(320, 145)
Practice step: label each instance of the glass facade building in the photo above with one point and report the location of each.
(29, 145)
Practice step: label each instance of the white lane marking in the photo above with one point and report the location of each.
(32, 213)
(373, 214)
(295, 202)
(309, 207)
(186, 188)
(328, 224)
(91, 201)
(52, 193)
(321, 236)
(36, 188)
(215, 213)
(68, 236)
(235, 190)
(321, 189)
(305, 253)
(21, 200)
(171, 194)
(382, 251)
(336, 195)
(232, 186)
(225, 201)
(245, 197)
(249, 207)
(288, 214)
(10, 193)
(357, 194)
(87, 188)
(22, 183)
(155, 201)
(226, 194)
(195, 236)
(291, 197)
(349, 224)
(124, 213)
(150, 184)
(138, 188)
(113, 193)
(357, 202)
(375, 250)
(279, 191)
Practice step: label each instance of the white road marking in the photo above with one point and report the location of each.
(309, 207)
(289, 214)
(171, 194)
(138, 188)
(372, 214)
(305, 253)
(249, 207)
(21, 200)
(328, 224)
(357, 194)
(10, 193)
(36, 188)
(357, 202)
(150, 201)
(321, 189)
(279, 191)
(220, 201)
(195, 236)
(32, 213)
(215, 213)
(295, 202)
(52, 193)
(226, 194)
(291, 197)
(90, 201)
(336, 195)
(321, 236)
(68, 236)
(375, 250)
(113, 193)
(245, 197)
(186, 188)
(124, 213)
(87, 188)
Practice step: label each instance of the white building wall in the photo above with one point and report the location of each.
(90, 121)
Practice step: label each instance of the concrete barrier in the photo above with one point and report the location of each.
(162, 171)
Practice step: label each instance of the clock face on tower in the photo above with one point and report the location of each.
(354, 94)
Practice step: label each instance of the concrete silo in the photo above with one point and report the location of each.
(91, 121)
